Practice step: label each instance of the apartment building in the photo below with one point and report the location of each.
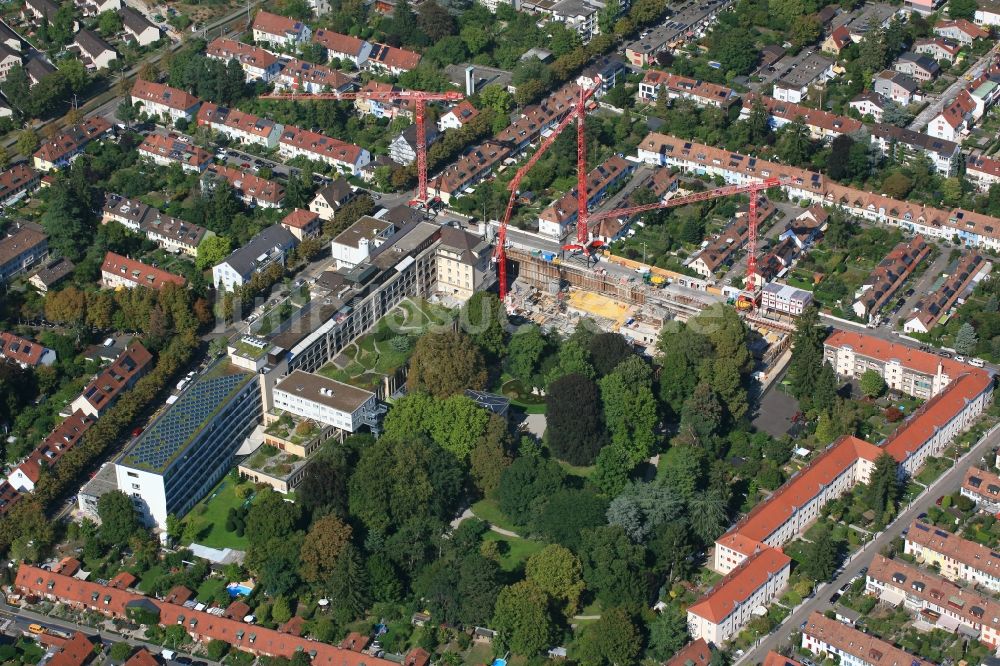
(934, 600)
(971, 268)
(813, 70)
(280, 31)
(921, 68)
(170, 233)
(104, 389)
(268, 247)
(24, 246)
(15, 184)
(955, 119)
(938, 48)
(822, 125)
(783, 299)
(890, 274)
(118, 271)
(391, 59)
(972, 229)
(343, 47)
(702, 93)
(823, 636)
(956, 559)
(184, 452)
(258, 64)
(138, 28)
(729, 605)
(243, 128)
(554, 220)
(538, 118)
(301, 76)
(157, 99)
(982, 171)
(383, 108)
(346, 157)
(318, 398)
(167, 150)
(898, 87)
(252, 190)
(473, 166)
(356, 243)
(63, 437)
(960, 30)
(403, 149)
(23, 352)
(901, 144)
(983, 488)
(463, 264)
(59, 151)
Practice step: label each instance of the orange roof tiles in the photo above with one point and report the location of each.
(695, 653)
(982, 483)
(969, 553)
(138, 273)
(230, 49)
(72, 140)
(274, 24)
(77, 651)
(338, 43)
(21, 350)
(869, 649)
(740, 584)
(791, 112)
(394, 57)
(300, 218)
(142, 658)
(565, 208)
(164, 147)
(251, 185)
(247, 123)
(773, 659)
(104, 388)
(320, 144)
(683, 85)
(163, 94)
(123, 581)
(884, 350)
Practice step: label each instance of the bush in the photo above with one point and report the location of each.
(893, 414)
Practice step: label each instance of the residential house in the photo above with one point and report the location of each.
(118, 271)
(37, 68)
(961, 30)
(331, 197)
(929, 310)
(987, 13)
(158, 99)
(403, 149)
(807, 228)
(383, 108)
(823, 636)
(57, 152)
(463, 264)
(956, 559)
(302, 223)
(356, 243)
(95, 7)
(822, 125)
(138, 28)
(391, 59)
(602, 74)
(95, 53)
(578, 15)
(167, 150)
(700, 92)
(695, 653)
(838, 39)
(869, 103)
(301, 76)
(557, 217)
(537, 118)
(898, 87)
(722, 251)
(982, 171)
(343, 47)
(10, 39)
(901, 144)
(24, 352)
(8, 60)
(813, 70)
(258, 64)
(955, 119)
(170, 233)
(938, 48)
(24, 246)
(346, 157)
(280, 31)
(104, 389)
(250, 189)
(63, 437)
(243, 128)
(268, 247)
(890, 274)
(457, 116)
(52, 273)
(919, 67)
(473, 166)
(79, 650)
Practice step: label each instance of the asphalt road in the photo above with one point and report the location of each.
(951, 91)
(820, 601)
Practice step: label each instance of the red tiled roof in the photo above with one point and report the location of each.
(393, 57)
(825, 120)
(956, 112)
(966, 26)
(67, 566)
(138, 273)
(247, 123)
(320, 144)
(230, 49)
(355, 641)
(869, 649)
(63, 437)
(157, 145)
(296, 72)
(884, 350)
(142, 658)
(463, 111)
(16, 178)
(685, 85)
(565, 207)
(892, 271)
(77, 651)
(300, 218)
(123, 581)
(740, 584)
(20, 350)
(775, 659)
(204, 625)
(178, 595)
(983, 483)
(273, 24)
(695, 653)
(841, 36)
(71, 140)
(163, 94)
(417, 657)
(237, 610)
(338, 43)
(251, 185)
(9, 496)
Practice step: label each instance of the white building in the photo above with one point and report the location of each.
(268, 247)
(347, 157)
(258, 64)
(324, 400)
(785, 299)
(356, 243)
(240, 127)
(138, 28)
(157, 99)
(280, 31)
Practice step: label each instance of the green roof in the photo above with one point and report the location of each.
(177, 427)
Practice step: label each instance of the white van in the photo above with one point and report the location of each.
(977, 362)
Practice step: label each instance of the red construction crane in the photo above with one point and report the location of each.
(420, 99)
(577, 114)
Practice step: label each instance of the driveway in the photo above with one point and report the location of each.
(820, 601)
(951, 92)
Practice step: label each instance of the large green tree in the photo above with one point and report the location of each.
(522, 619)
(574, 430)
(630, 407)
(558, 572)
(118, 518)
(526, 484)
(613, 567)
(484, 318)
(613, 639)
(446, 363)
(454, 423)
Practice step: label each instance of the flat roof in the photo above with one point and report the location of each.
(325, 391)
(180, 423)
(366, 227)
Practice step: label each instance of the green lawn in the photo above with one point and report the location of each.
(148, 578)
(478, 654)
(583, 472)
(209, 517)
(488, 511)
(517, 552)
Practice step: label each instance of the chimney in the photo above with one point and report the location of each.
(470, 81)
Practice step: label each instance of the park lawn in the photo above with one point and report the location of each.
(209, 516)
(487, 510)
(582, 471)
(518, 550)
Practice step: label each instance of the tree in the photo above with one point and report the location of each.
(707, 509)
(613, 567)
(642, 507)
(109, 23)
(807, 355)
(523, 353)
(522, 621)
(212, 250)
(793, 145)
(446, 363)
(884, 488)
(668, 633)
(321, 548)
(630, 407)
(118, 518)
(734, 49)
(557, 572)
(567, 513)
(484, 318)
(435, 21)
(492, 96)
(684, 351)
(489, 458)
(572, 358)
(27, 142)
(897, 185)
(820, 562)
(574, 430)
(324, 486)
(525, 483)
(966, 340)
(349, 585)
(702, 413)
(872, 383)
(607, 350)
(613, 639)
(838, 161)
(962, 9)
(217, 649)
(120, 651)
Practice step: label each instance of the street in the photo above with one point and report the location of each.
(951, 92)
(820, 601)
